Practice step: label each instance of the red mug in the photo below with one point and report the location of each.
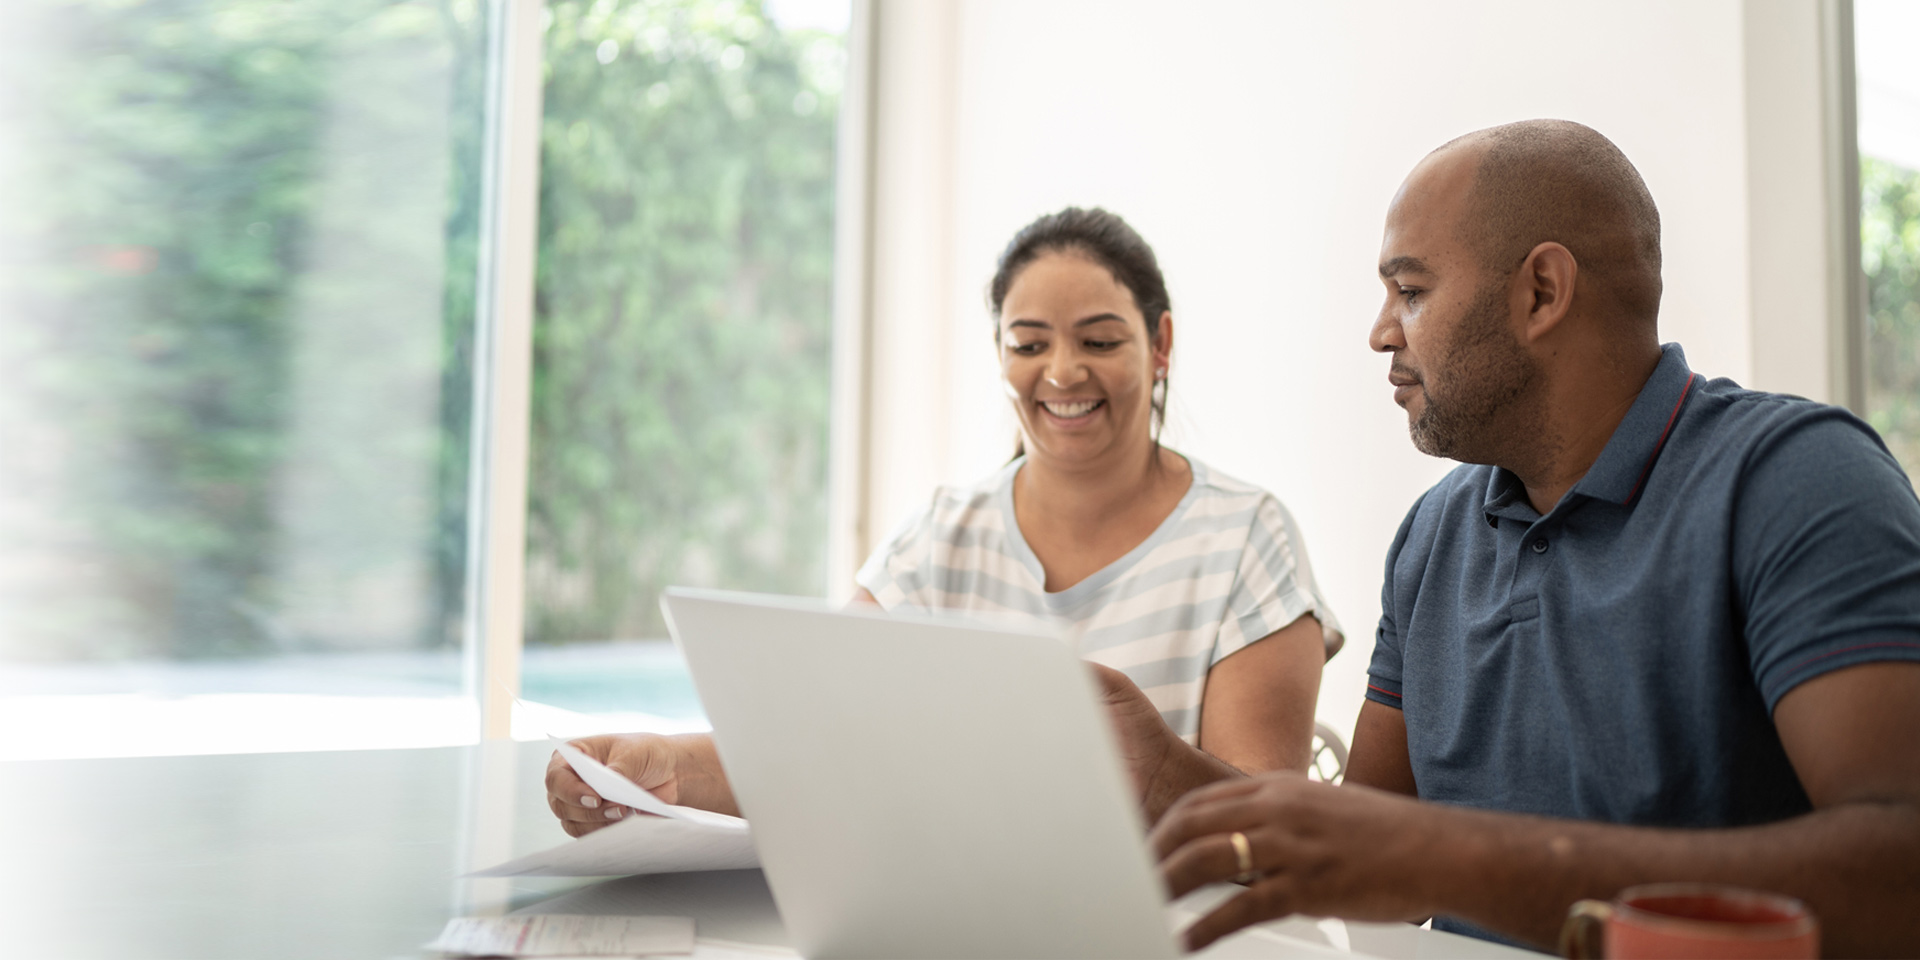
(1701, 921)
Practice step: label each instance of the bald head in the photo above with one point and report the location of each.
(1555, 180)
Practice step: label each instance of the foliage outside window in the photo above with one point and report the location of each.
(1890, 256)
(683, 310)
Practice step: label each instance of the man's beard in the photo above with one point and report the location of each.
(1484, 371)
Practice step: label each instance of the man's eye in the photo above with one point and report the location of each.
(1409, 293)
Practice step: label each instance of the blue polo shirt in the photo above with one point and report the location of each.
(1619, 658)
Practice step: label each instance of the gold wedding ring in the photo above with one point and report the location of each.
(1243, 855)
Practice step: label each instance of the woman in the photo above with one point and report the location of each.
(1191, 588)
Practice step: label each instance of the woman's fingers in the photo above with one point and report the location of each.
(563, 783)
(573, 802)
(582, 814)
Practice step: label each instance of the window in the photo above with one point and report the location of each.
(239, 283)
(683, 321)
(237, 278)
(1888, 93)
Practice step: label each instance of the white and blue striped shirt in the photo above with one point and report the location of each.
(1226, 568)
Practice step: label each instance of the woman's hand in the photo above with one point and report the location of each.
(675, 769)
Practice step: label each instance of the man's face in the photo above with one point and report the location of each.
(1458, 367)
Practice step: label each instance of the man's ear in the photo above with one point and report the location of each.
(1546, 280)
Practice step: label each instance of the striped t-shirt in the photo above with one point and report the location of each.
(1226, 568)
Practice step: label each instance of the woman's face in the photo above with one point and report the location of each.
(1077, 359)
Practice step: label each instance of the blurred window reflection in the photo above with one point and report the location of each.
(236, 305)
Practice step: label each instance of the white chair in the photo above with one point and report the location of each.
(1329, 762)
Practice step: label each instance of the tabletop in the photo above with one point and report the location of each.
(360, 853)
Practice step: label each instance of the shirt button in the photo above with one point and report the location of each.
(1540, 545)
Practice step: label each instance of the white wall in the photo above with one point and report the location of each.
(1256, 146)
(1889, 85)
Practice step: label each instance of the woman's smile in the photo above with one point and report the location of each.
(1071, 413)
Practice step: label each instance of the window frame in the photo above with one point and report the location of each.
(1847, 293)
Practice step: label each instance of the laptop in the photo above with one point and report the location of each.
(923, 787)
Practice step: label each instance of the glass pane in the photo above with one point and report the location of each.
(684, 324)
(1889, 105)
(236, 306)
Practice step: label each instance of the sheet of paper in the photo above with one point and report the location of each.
(565, 935)
(733, 905)
(612, 786)
(639, 845)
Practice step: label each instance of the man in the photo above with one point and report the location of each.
(1654, 628)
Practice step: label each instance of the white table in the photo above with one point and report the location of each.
(356, 854)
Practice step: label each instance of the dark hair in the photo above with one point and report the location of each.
(1105, 239)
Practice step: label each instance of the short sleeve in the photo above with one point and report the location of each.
(896, 572)
(1383, 672)
(1826, 553)
(1274, 585)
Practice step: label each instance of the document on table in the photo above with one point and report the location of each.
(565, 935)
(676, 840)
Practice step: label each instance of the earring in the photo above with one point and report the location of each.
(1160, 373)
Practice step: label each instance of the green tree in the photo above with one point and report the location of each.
(682, 346)
(1890, 255)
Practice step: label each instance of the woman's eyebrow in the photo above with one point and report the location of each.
(1084, 321)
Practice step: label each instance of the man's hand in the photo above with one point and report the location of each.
(1145, 739)
(1162, 765)
(1317, 849)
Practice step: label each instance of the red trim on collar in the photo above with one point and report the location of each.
(1657, 447)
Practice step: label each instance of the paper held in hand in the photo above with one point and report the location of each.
(674, 840)
(612, 786)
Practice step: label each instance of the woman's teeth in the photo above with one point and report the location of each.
(1068, 410)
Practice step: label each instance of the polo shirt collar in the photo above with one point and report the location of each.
(1628, 457)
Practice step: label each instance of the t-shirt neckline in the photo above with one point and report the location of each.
(1100, 579)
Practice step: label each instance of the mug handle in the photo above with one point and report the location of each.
(1580, 936)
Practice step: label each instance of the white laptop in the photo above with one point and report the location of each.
(920, 787)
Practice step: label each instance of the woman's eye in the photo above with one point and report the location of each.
(1028, 349)
(1103, 344)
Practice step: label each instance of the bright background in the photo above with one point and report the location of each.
(248, 249)
(1256, 146)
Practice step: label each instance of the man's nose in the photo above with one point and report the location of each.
(1386, 335)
